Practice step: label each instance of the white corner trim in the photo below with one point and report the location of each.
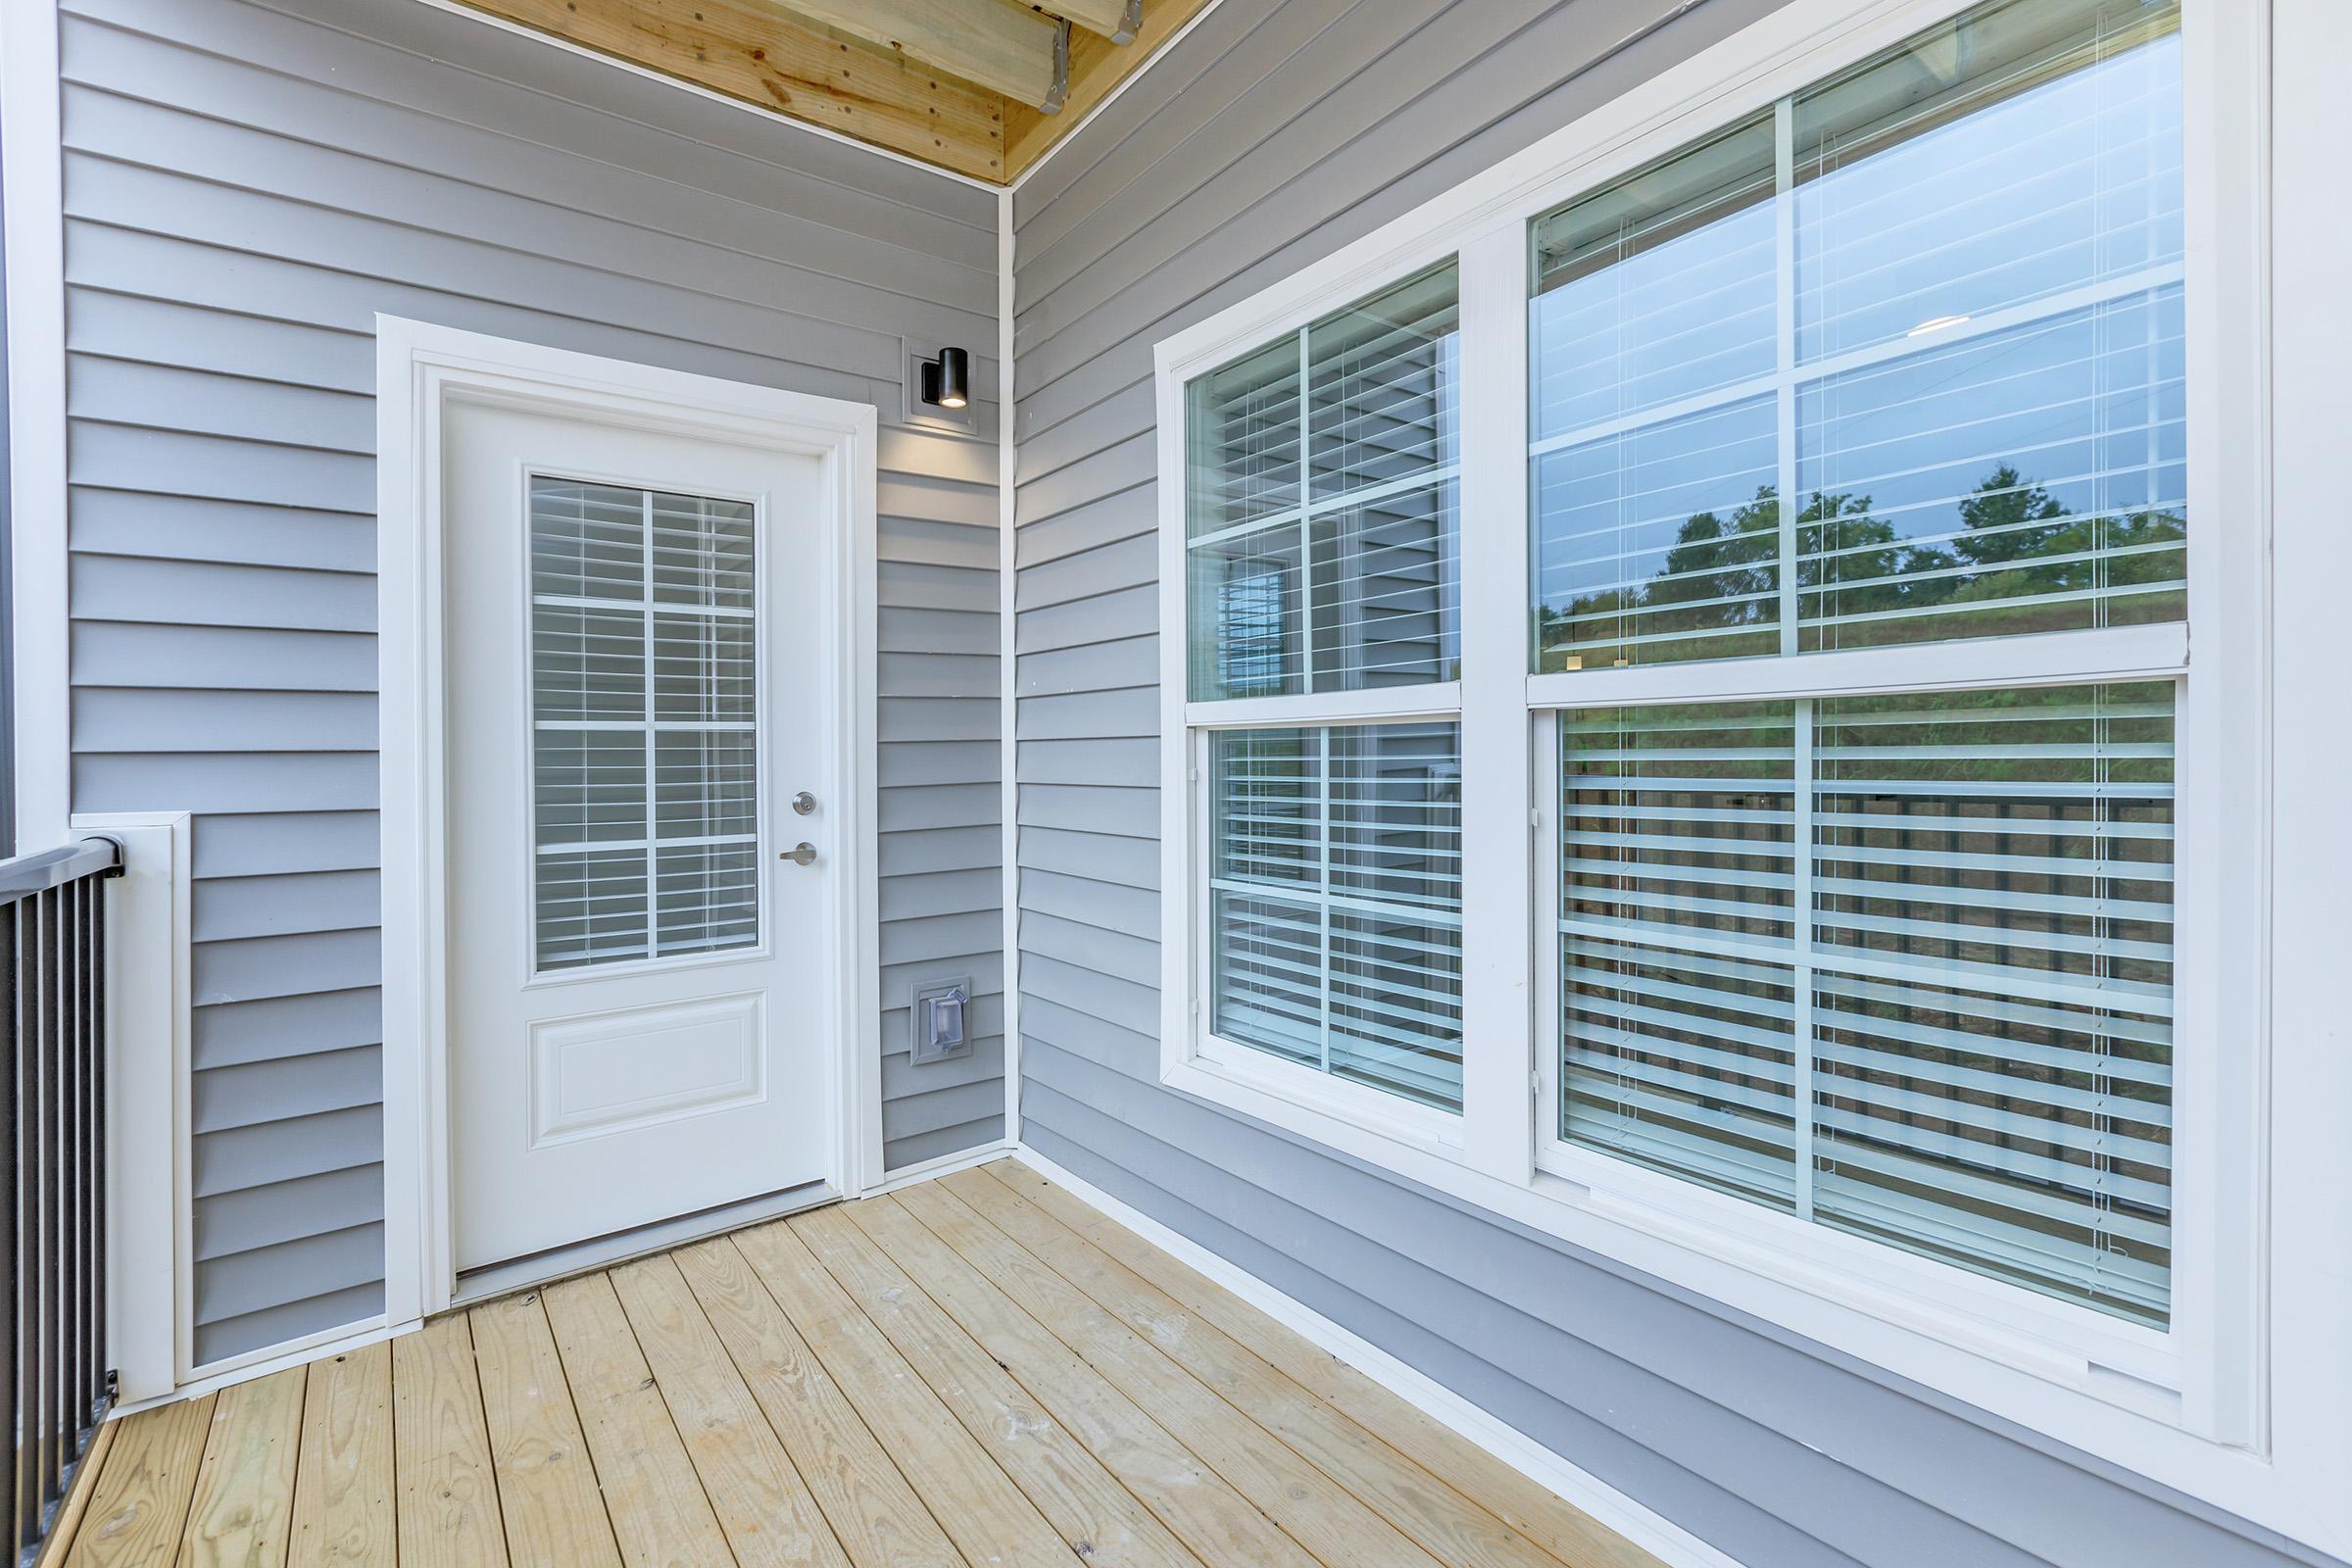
(1652, 1532)
(150, 1262)
(33, 173)
(419, 367)
(1009, 702)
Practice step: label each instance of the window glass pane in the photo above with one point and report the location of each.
(702, 551)
(1388, 592)
(644, 724)
(2027, 480)
(1659, 287)
(1967, 1050)
(1242, 423)
(1933, 305)
(1383, 378)
(1352, 579)
(1248, 625)
(1335, 897)
(1660, 543)
(2017, 152)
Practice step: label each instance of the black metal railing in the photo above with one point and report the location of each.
(53, 1355)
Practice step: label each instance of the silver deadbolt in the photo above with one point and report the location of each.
(801, 854)
(804, 802)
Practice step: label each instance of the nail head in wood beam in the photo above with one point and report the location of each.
(993, 43)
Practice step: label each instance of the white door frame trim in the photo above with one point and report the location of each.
(421, 369)
(31, 144)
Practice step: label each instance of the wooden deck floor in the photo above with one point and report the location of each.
(978, 1372)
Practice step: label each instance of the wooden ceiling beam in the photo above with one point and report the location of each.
(1115, 20)
(993, 43)
(961, 84)
(1097, 67)
(749, 50)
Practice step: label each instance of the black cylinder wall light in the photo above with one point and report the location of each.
(948, 379)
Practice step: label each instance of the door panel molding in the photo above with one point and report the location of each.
(423, 371)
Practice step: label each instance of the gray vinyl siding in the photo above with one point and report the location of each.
(1277, 132)
(245, 186)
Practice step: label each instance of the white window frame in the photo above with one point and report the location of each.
(2190, 1405)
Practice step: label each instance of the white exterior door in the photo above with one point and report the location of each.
(637, 989)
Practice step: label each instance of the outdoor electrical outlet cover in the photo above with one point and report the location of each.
(937, 1021)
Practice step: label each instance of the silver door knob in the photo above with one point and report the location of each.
(800, 853)
(804, 802)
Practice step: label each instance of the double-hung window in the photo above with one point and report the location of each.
(1895, 364)
(1678, 714)
(1322, 560)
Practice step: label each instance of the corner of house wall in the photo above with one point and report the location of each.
(1008, 669)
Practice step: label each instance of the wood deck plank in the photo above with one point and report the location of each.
(447, 1488)
(547, 1487)
(1308, 1505)
(343, 1483)
(243, 1509)
(979, 1372)
(874, 1510)
(1562, 1529)
(762, 1503)
(659, 1512)
(140, 1502)
(1447, 1524)
(968, 1494)
(1203, 1507)
(1100, 1518)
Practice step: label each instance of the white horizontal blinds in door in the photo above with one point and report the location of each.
(644, 719)
(1932, 303)
(589, 775)
(1949, 1028)
(1334, 891)
(706, 713)
(1322, 513)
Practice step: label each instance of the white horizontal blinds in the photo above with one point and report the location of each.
(1661, 543)
(644, 777)
(1335, 890)
(1657, 537)
(1947, 299)
(1387, 592)
(1676, 923)
(1967, 1050)
(1322, 513)
(2033, 479)
(1995, 1086)
(2022, 152)
(1244, 424)
(1382, 388)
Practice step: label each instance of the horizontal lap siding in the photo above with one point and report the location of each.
(1273, 134)
(245, 186)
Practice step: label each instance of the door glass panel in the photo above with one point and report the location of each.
(645, 757)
